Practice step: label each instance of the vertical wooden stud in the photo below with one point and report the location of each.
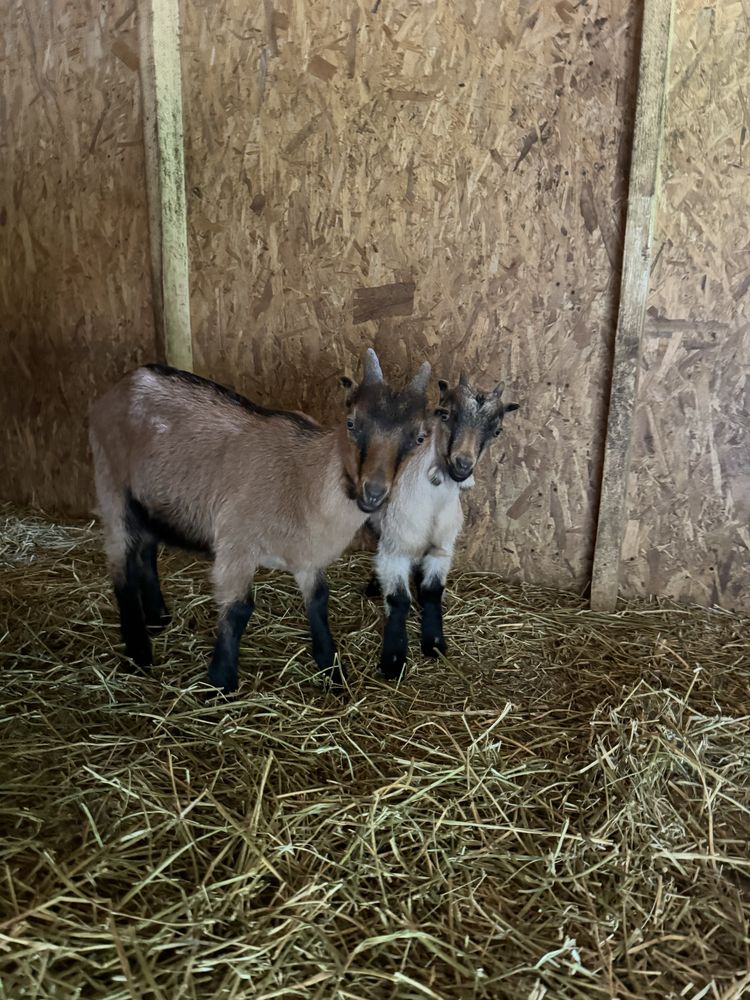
(161, 87)
(636, 269)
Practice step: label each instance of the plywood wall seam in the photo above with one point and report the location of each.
(636, 272)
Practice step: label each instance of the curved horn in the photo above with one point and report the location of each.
(420, 380)
(498, 390)
(373, 371)
(462, 379)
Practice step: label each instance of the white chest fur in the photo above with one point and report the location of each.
(424, 512)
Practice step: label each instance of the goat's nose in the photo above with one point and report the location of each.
(373, 493)
(463, 464)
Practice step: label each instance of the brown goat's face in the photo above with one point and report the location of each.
(384, 426)
(468, 420)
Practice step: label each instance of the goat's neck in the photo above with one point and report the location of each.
(327, 462)
(436, 461)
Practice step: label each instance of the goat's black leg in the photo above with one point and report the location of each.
(433, 639)
(314, 589)
(132, 624)
(371, 535)
(395, 643)
(417, 577)
(432, 575)
(223, 670)
(393, 573)
(154, 609)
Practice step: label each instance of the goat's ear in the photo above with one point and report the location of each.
(498, 390)
(510, 407)
(443, 387)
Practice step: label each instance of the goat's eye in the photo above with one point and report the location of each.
(443, 414)
(350, 424)
(420, 438)
(498, 431)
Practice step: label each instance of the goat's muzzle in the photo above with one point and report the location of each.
(373, 496)
(460, 468)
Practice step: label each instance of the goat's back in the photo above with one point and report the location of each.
(206, 460)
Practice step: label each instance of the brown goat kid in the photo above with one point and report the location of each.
(184, 461)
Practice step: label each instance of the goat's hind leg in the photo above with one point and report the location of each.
(122, 541)
(155, 611)
(314, 588)
(126, 574)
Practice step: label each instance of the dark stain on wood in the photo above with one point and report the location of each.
(396, 299)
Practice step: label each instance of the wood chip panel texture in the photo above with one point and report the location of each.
(75, 299)
(477, 150)
(688, 529)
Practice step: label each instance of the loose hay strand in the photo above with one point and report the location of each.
(559, 809)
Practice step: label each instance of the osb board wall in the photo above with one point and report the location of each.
(688, 530)
(473, 156)
(75, 299)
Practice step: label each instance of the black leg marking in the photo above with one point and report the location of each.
(323, 646)
(418, 577)
(132, 625)
(222, 672)
(393, 655)
(373, 587)
(433, 640)
(154, 609)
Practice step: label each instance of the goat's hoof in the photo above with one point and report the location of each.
(373, 588)
(224, 683)
(336, 678)
(160, 623)
(392, 665)
(216, 695)
(140, 654)
(434, 646)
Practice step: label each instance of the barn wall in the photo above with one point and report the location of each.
(477, 151)
(688, 530)
(75, 299)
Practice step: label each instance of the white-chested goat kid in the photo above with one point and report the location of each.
(181, 460)
(418, 527)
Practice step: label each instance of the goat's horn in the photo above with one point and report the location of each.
(420, 380)
(373, 371)
(462, 379)
(498, 390)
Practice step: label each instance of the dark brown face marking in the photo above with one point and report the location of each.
(472, 419)
(383, 425)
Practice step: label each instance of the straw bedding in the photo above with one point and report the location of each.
(559, 810)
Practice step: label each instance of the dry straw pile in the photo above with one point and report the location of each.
(560, 810)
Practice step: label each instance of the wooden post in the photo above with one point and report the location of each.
(161, 89)
(636, 270)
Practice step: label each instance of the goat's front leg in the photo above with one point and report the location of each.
(233, 581)
(393, 572)
(432, 573)
(314, 589)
